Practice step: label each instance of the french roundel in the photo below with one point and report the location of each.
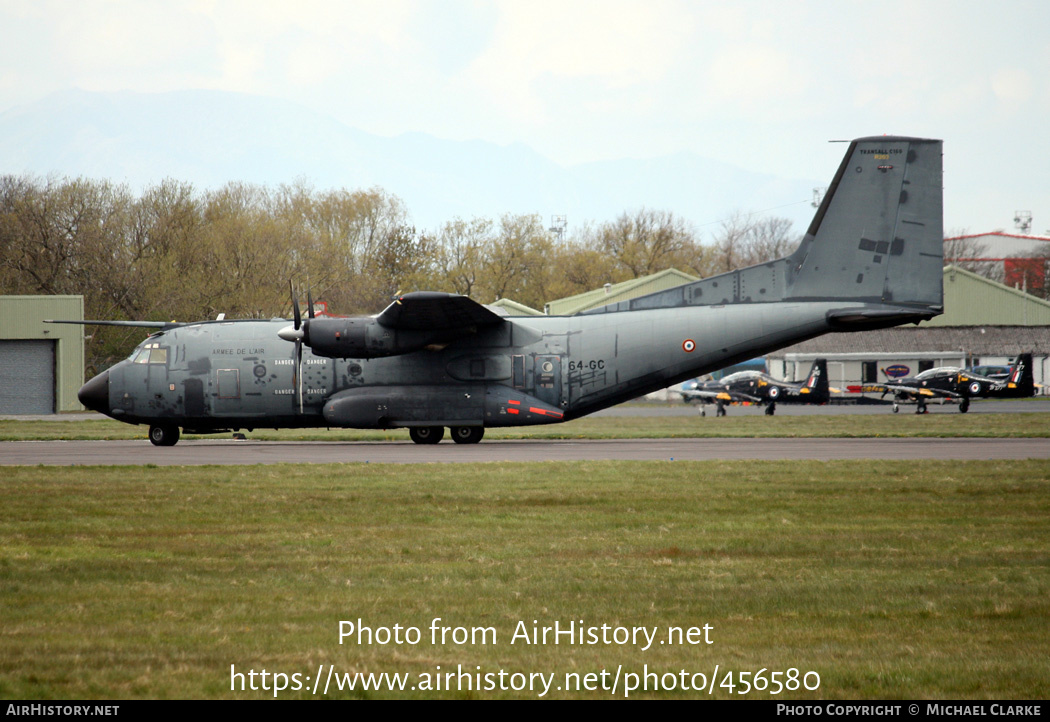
(975, 387)
(688, 345)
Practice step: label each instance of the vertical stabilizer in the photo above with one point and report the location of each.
(877, 236)
(1022, 377)
(817, 381)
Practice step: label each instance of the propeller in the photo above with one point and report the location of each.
(295, 333)
(295, 306)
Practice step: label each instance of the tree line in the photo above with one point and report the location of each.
(175, 252)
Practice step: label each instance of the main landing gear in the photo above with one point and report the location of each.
(434, 434)
(426, 434)
(164, 435)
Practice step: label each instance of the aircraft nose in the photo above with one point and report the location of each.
(95, 393)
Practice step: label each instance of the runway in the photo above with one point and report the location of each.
(978, 406)
(228, 452)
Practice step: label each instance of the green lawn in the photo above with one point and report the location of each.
(887, 579)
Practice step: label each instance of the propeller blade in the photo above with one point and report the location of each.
(310, 300)
(295, 306)
(299, 373)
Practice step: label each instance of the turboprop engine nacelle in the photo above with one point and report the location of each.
(362, 338)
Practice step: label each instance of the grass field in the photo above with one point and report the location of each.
(888, 579)
(1029, 425)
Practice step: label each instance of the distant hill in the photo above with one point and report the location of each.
(211, 137)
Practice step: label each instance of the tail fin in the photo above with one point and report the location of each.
(817, 381)
(878, 234)
(1022, 378)
(875, 244)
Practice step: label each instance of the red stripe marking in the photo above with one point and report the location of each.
(514, 402)
(512, 411)
(544, 412)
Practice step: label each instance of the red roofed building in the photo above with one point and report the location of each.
(1015, 260)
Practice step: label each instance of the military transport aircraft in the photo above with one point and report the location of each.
(949, 382)
(759, 388)
(870, 259)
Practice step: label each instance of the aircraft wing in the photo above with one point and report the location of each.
(725, 396)
(915, 391)
(162, 325)
(432, 311)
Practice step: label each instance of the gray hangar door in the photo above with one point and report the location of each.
(27, 377)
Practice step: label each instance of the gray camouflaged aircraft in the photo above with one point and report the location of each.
(870, 259)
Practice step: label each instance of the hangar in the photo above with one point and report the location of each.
(41, 365)
(1019, 261)
(616, 292)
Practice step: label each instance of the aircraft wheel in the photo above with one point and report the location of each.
(896, 408)
(770, 410)
(164, 435)
(964, 406)
(467, 434)
(703, 412)
(426, 434)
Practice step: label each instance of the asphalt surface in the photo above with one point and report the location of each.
(191, 453)
(678, 408)
(229, 451)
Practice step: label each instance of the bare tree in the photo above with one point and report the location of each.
(745, 241)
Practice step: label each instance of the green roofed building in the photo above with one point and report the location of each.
(973, 300)
(41, 365)
(615, 292)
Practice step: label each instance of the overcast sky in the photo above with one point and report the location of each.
(761, 84)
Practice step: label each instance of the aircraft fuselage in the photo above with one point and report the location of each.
(240, 374)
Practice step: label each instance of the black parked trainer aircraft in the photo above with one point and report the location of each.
(760, 388)
(949, 382)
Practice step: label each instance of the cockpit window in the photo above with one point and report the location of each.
(740, 376)
(151, 353)
(939, 371)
